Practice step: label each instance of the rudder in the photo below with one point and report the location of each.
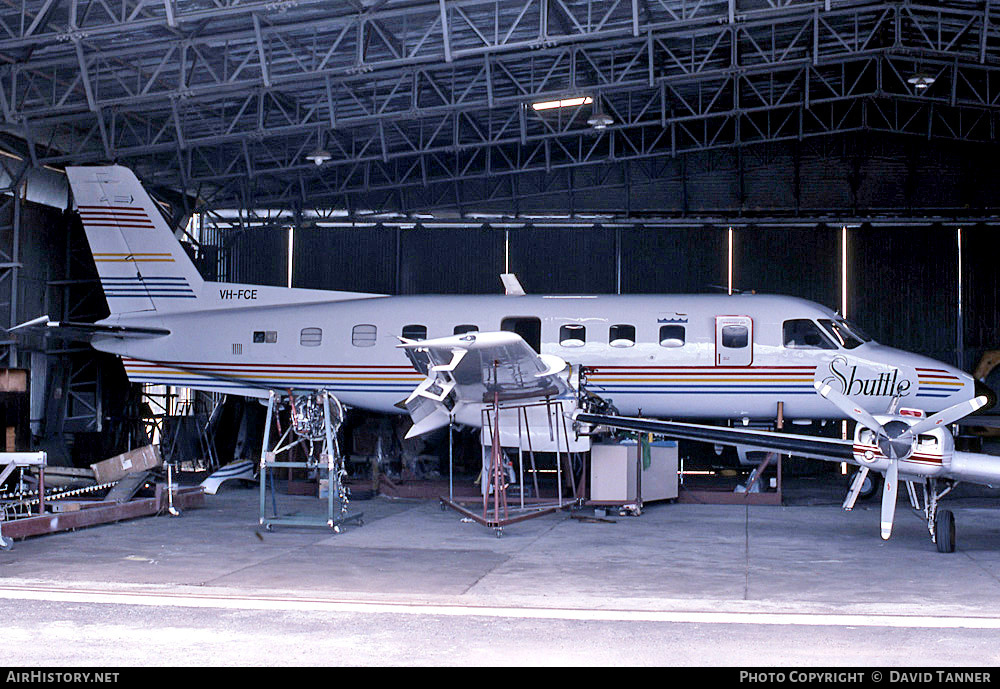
(141, 264)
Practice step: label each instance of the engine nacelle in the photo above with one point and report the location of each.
(931, 454)
(976, 467)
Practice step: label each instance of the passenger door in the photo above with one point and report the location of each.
(733, 341)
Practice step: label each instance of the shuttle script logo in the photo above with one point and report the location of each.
(846, 378)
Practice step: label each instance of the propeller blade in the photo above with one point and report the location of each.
(889, 499)
(845, 405)
(949, 415)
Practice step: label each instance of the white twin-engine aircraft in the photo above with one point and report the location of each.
(712, 357)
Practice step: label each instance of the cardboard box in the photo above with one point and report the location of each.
(141, 459)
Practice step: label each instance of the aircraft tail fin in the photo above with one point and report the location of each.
(141, 264)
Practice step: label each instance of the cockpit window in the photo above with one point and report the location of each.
(856, 329)
(846, 336)
(802, 333)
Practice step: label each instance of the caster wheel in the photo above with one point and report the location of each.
(443, 507)
(267, 527)
(6, 543)
(944, 527)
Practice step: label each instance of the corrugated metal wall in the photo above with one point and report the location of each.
(351, 259)
(903, 287)
(656, 261)
(450, 261)
(564, 260)
(259, 256)
(852, 175)
(801, 262)
(980, 292)
(903, 282)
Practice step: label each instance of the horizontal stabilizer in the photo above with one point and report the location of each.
(85, 331)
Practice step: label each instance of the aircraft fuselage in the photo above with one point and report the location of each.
(670, 356)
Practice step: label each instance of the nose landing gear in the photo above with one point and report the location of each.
(941, 525)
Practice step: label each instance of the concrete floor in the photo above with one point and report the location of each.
(800, 585)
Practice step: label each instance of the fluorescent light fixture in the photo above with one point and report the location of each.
(564, 103)
(291, 252)
(729, 267)
(843, 272)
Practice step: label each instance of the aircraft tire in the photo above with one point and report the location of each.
(871, 486)
(944, 527)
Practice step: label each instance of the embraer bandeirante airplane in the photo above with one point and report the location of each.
(443, 357)
(671, 356)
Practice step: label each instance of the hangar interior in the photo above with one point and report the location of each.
(839, 151)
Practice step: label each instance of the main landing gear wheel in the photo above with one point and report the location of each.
(870, 487)
(944, 529)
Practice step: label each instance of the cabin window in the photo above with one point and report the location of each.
(621, 335)
(802, 333)
(735, 336)
(363, 335)
(672, 335)
(265, 336)
(311, 337)
(529, 328)
(572, 335)
(415, 332)
(466, 328)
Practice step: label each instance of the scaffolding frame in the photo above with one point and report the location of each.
(492, 475)
(329, 462)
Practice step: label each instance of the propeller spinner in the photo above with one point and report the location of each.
(897, 439)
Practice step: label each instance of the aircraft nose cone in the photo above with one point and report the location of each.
(990, 394)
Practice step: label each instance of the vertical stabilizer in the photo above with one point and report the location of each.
(141, 264)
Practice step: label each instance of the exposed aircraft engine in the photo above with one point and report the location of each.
(308, 417)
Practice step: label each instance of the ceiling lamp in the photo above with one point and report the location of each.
(599, 119)
(319, 157)
(920, 81)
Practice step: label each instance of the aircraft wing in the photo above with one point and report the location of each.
(829, 449)
(981, 421)
(466, 371)
(85, 331)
